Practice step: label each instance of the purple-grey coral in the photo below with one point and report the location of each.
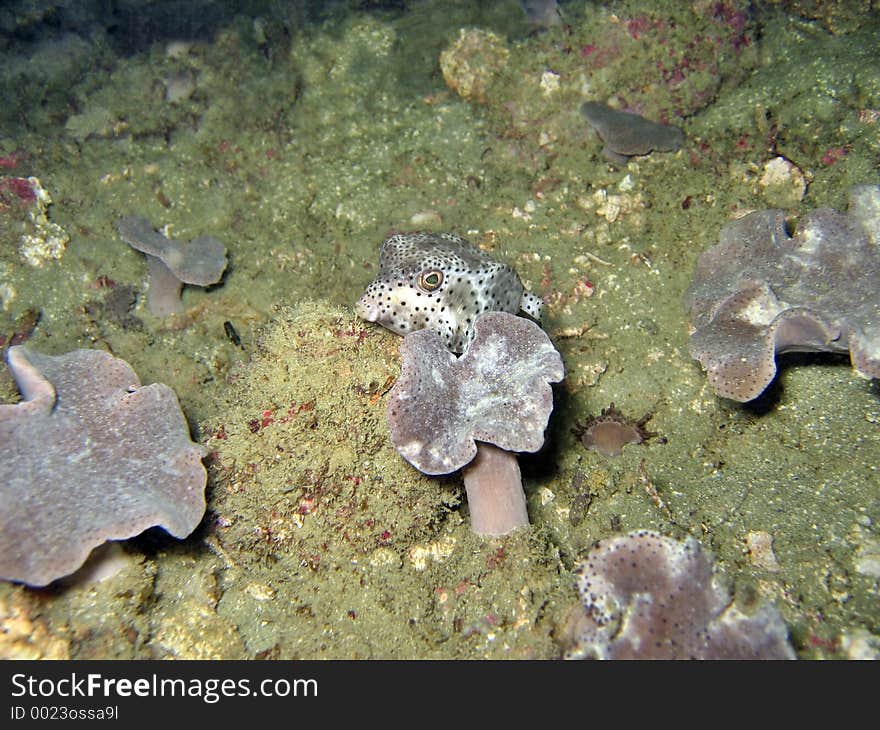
(89, 455)
(646, 596)
(760, 291)
(626, 134)
(172, 263)
(498, 392)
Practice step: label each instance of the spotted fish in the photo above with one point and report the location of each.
(441, 281)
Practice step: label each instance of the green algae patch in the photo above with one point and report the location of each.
(336, 546)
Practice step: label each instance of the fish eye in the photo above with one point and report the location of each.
(430, 279)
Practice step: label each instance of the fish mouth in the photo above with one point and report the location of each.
(367, 310)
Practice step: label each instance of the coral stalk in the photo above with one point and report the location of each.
(494, 491)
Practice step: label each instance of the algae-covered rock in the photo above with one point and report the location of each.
(303, 452)
(471, 61)
(838, 16)
(335, 545)
(307, 483)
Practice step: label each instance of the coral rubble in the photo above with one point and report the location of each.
(41, 240)
(472, 62)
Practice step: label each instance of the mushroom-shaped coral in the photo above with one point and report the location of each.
(89, 456)
(498, 393)
(760, 291)
(171, 264)
(646, 596)
(626, 134)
